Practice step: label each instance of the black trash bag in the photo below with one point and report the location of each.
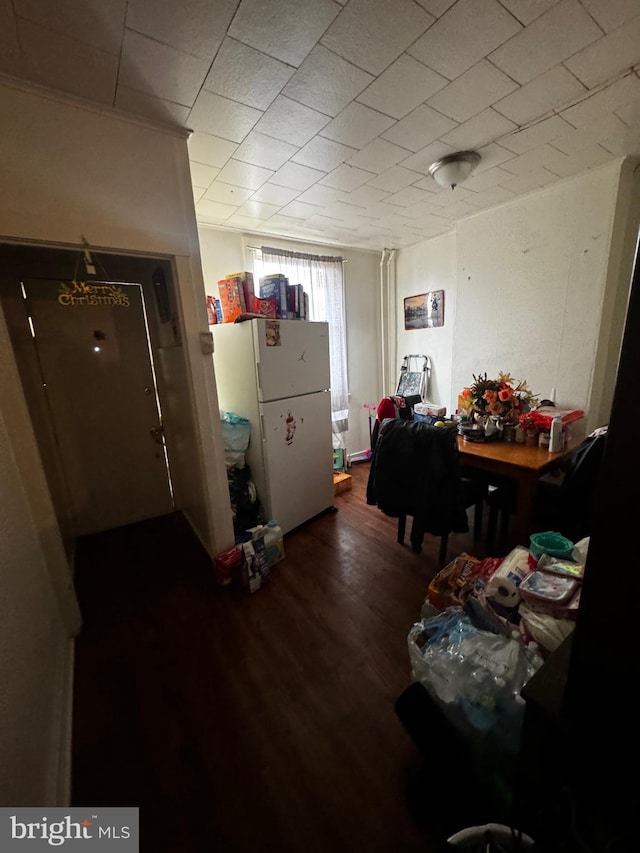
(247, 510)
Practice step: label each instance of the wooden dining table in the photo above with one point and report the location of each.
(525, 465)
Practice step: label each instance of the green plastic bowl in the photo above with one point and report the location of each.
(551, 543)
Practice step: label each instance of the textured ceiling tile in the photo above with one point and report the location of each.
(285, 29)
(198, 192)
(629, 109)
(373, 33)
(527, 11)
(160, 70)
(299, 210)
(357, 125)
(264, 151)
(227, 194)
(326, 82)
(257, 209)
(479, 130)
(464, 36)
(402, 87)
(378, 156)
(99, 23)
(244, 174)
(222, 117)
(545, 155)
(322, 154)
(528, 182)
(436, 7)
(572, 142)
(194, 26)
(622, 143)
(603, 59)
(395, 179)
(346, 178)
(243, 74)
(272, 194)
(202, 175)
(68, 65)
(548, 91)
(453, 196)
(321, 196)
(489, 178)
(595, 115)
(492, 197)
(457, 211)
(366, 195)
(205, 148)
(246, 223)
(602, 126)
(536, 135)
(296, 176)
(492, 155)
(551, 38)
(214, 211)
(408, 196)
(140, 103)
(419, 128)
(290, 121)
(610, 14)
(589, 158)
(472, 92)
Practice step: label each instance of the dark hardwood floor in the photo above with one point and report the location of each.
(262, 722)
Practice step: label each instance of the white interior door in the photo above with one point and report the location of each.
(98, 378)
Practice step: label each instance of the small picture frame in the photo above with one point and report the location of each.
(425, 311)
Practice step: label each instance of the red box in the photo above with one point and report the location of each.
(227, 565)
(545, 414)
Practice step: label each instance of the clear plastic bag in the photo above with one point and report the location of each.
(476, 676)
(236, 432)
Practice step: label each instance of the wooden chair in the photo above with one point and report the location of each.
(415, 472)
(473, 493)
(564, 506)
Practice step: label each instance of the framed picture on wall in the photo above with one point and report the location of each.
(424, 311)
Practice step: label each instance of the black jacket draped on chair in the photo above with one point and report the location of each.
(415, 471)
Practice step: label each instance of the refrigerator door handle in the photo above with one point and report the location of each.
(262, 433)
(259, 375)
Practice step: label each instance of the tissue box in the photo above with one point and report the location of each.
(426, 408)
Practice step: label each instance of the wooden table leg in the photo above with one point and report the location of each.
(522, 526)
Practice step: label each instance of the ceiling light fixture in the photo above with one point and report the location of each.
(454, 168)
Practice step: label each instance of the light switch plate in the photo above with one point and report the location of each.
(206, 343)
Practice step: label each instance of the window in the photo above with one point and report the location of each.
(322, 279)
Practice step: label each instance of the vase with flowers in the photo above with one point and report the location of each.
(503, 397)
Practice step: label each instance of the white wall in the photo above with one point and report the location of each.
(524, 292)
(70, 171)
(423, 268)
(224, 252)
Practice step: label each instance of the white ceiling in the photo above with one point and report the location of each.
(318, 119)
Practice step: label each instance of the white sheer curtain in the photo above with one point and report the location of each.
(322, 279)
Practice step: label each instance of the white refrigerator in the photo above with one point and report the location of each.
(276, 374)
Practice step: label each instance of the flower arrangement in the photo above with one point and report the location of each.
(504, 397)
